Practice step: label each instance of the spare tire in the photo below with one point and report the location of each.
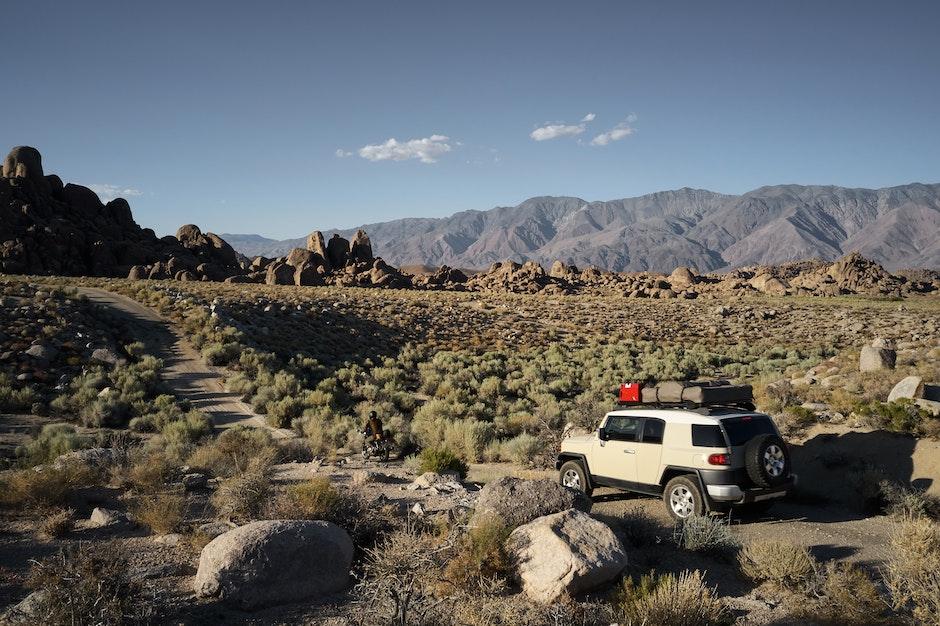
(767, 460)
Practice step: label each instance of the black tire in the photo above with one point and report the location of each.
(365, 453)
(683, 497)
(573, 476)
(385, 453)
(767, 460)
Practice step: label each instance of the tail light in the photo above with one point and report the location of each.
(719, 459)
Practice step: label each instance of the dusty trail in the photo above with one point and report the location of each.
(184, 372)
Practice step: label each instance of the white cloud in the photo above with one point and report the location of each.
(616, 133)
(554, 131)
(107, 193)
(426, 150)
(342, 154)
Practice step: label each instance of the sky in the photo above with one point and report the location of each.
(284, 117)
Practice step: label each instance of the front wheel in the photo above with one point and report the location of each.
(572, 475)
(365, 453)
(683, 498)
(385, 454)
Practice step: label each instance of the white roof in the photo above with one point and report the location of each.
(677, 416)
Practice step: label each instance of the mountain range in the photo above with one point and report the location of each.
(897, 226)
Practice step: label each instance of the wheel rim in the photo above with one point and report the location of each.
(774, 460)
(571, 479)
(682, 501)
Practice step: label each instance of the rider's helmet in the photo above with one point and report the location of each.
(373, 414)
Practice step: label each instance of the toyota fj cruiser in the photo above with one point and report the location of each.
(700, 455)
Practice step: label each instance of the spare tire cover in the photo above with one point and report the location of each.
(767, 460)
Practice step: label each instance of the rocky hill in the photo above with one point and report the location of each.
(707, 231)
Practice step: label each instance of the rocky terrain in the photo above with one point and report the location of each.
(658, 232)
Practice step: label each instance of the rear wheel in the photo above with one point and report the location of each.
(683, 498)
(573, 476)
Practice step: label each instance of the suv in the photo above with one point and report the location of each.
(698, 459)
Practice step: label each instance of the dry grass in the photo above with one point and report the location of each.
(315, 499)
(87, 585)
(162, 513)
(777, 562)
(243, 497)
(480, 562)
(705, 533)
(44, 488)
(58, 523)
(849, 596)
(911, 574)
(669, 600)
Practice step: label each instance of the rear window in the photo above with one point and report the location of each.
(742, 429)
(707, 436)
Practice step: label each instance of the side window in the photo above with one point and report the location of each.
(653, 430)
(622, 428)
(707, 436)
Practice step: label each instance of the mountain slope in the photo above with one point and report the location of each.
(896, 226)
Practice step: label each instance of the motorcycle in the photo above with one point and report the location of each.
(381, 448)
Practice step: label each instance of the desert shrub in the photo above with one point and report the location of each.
(312, 499)
(281, 412)
(162, 513)
(221, 353)
(906, 502)
(243, 496)
(911, 573)
(85, 585)
(705, 533)
(135, 349)
(58, 523)
(782, 564)
(522, 449)
(849, 595)
(148, 470)
(53, 440)
(106, 411)
(899, 416)
(45, 488)
(234, 450)
(669, 600)
(638, 528)
(441, 461)
(479, 562)
(190, 429)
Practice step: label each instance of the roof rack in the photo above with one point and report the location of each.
(746, 405)
(686, 394)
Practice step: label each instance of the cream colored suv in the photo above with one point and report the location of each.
(698, 459)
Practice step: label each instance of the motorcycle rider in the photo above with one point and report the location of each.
(374, 429)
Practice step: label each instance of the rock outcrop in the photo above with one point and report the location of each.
(275, 561)
(564, 554)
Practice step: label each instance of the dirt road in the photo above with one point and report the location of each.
(184, 372)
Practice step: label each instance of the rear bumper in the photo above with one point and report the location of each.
(735, 495)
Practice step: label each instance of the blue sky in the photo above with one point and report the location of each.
(274, 118)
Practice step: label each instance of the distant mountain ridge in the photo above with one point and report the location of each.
(898, 227)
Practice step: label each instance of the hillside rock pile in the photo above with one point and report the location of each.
(852, 274)
(336, 262)
(47, 227)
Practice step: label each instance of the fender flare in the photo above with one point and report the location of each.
(564, 457)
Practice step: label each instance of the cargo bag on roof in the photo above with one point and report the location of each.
(698, 392)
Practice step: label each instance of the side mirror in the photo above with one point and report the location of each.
(602, 434)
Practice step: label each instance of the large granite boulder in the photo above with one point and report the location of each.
(564, 554)
(360, 248)
(518, 501)
(275, 561)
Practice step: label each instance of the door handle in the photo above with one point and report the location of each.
(629, 451)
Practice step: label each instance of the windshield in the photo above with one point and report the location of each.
(742, 429)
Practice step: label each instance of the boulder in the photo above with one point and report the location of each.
(873, 359)
(337, 251)
(315, 244)
(107, 356)
(272, 562)
(102, 518)
(682, 277)
(307, 275)
(910, 387)
(360, 248)
(564, 554)
(518, 501)
(279, 274)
